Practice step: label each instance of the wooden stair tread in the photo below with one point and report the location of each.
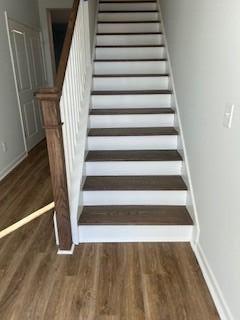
(132, 111)
(124, 21)
(129, 1)
(131, 11)
(152, 131)
(132, 46)
(127, 33)
(134, 183)
(129, 60)
(133, 155)
(129, 92)
(135, 215)
(144, 75)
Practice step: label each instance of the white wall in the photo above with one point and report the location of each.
(44, 5)
(204, 45)
(25, 11)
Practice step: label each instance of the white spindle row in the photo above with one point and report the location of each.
(74, 91)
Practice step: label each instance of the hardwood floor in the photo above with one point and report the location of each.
(100, 281)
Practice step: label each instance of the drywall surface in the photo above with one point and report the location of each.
(44, 5)
(24, 11)
(204, 46)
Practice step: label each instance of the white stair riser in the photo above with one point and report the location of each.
(140, 39)
(132, 120)
(128, 16)
(129, 27)
(138, 100)
(115, 234)
(130, 67)
(131, 53)
(133, 143)
(118, 168)
(92, 198)
(127, 83)
(128, 6)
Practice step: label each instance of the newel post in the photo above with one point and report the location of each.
(50, 105)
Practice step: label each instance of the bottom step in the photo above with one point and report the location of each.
(113, 234)
(135, 224)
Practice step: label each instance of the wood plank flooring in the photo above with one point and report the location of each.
(100, 281)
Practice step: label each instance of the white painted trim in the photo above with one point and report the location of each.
(66, 252)
(7, 19)
(4, 172)
(194, 212)
(213, 286)
(55, 228)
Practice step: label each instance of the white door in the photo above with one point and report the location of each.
(28, 67)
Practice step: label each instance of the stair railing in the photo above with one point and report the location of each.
(65, 108)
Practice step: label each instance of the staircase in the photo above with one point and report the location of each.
(133, 189)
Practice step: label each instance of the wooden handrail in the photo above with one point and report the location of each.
(50, 103)
(26, 220)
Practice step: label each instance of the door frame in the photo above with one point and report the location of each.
(7, 20)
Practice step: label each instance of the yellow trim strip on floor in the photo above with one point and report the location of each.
(26, 220)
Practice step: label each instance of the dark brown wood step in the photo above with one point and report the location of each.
(123, 11)
(124, 2)
(132, 46)
(134, 183)
(130, 75)
(131, 111)
(124, 21)
(133, 155)
(128, 33)
(111, 132)
(128, 92)
(130, 60)
(135, 215)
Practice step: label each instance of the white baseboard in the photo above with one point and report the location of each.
(4, 172)
(211, 281)
(66, 252)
